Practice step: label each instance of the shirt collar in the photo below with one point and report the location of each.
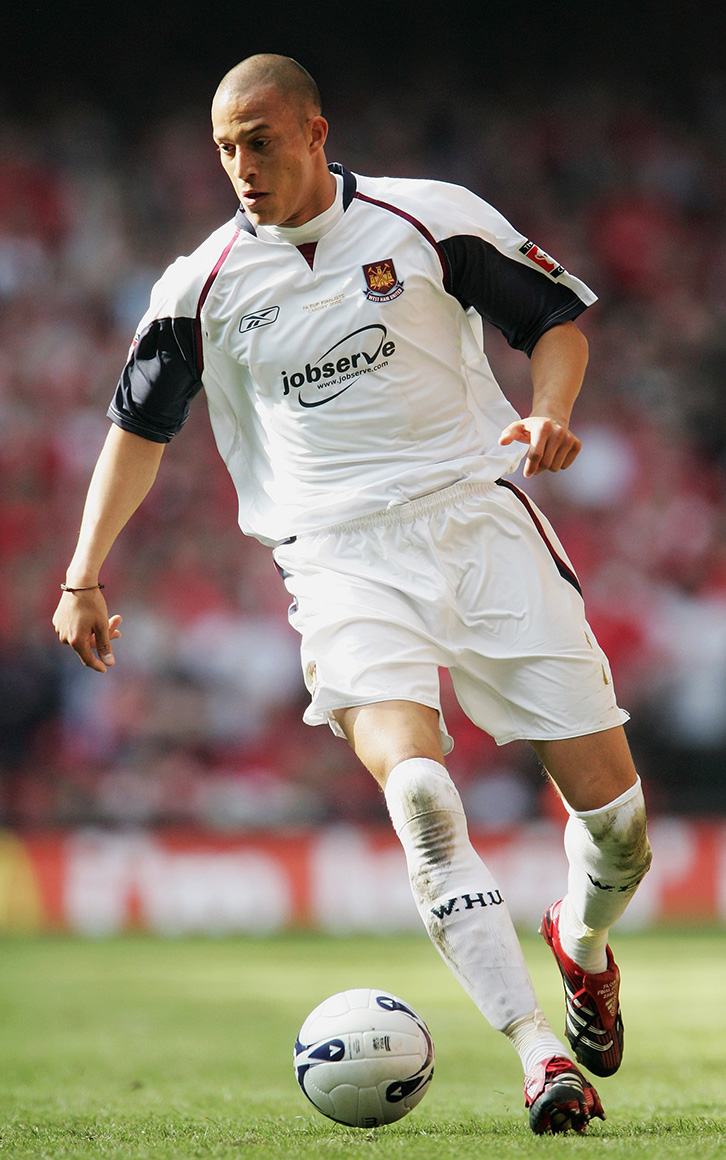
(349, 187)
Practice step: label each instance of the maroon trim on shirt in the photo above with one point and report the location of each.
(414, 222)
(564, 569)
(205, 293)
(307, 249)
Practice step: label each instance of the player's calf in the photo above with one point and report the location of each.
(609, 855)
(463, 909)
(457, 897)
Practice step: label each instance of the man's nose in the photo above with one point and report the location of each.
(244, 165)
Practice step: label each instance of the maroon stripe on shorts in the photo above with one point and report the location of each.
(564, 569)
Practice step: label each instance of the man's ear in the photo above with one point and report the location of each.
(318, 132)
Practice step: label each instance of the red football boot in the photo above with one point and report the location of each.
(559, 1098)
(593, 1025)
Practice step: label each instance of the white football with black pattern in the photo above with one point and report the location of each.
(364, 1058)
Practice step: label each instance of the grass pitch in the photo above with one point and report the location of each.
(138, 1047)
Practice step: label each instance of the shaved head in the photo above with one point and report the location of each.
(267, 70)
(267, 126)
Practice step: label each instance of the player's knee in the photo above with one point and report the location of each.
(631, 849)
(616, 835)
(637, 852)
(625, 837)
(419, 789)
(428, 817)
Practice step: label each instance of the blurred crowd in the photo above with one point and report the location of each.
(199, 723)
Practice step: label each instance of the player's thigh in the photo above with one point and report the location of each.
(565, 694)
(527, 665)
(361, 602)
(385, 733)
(589, 771)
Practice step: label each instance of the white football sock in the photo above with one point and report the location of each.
(609, 854)
(534, 1040)
(463, 911)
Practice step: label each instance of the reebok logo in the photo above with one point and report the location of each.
(259, 318)
(452, 905)
(359, 353)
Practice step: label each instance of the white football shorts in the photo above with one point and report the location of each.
(471, 578)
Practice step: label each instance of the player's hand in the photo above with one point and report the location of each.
(552, 445)
(82, 621)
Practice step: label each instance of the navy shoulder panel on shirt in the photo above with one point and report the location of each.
(349, 182)
(519, 301)
(159, 381)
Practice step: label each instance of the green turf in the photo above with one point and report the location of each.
(138, 1047)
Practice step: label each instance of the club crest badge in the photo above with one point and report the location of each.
(382, 284)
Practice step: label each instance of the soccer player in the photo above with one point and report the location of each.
(335, 325)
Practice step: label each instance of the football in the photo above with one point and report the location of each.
(364, 1058)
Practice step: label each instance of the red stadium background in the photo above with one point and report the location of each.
(343, 880)
(181, 792)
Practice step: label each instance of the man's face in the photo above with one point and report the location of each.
(273, 155)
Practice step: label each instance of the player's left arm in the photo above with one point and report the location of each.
(558, 363)
(533, 300)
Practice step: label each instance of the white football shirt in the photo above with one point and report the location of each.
(342, 362)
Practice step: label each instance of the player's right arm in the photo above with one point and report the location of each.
(150, 405)
(123, 476)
